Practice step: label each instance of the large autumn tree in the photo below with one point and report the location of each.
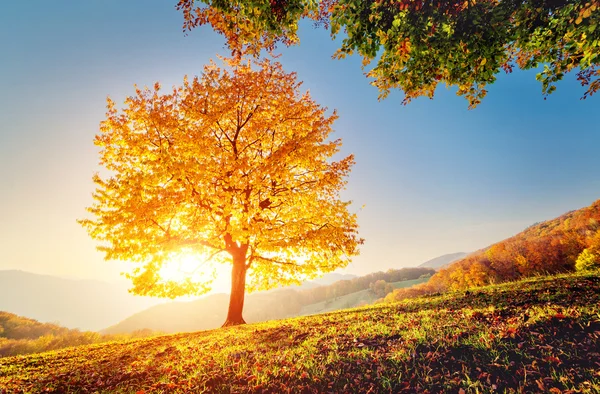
(418, 44)
(236, 166)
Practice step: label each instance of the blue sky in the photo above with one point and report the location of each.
(435, 177)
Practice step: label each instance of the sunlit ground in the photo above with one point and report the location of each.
(536, 336)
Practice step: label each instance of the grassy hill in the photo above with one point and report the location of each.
(536, 335)
(353, 300)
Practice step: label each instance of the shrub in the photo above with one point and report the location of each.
(586, 261)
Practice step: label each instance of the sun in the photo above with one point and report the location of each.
(197, 267)
(182, 266)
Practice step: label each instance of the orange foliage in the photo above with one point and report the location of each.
(235, 165)
(544, 248)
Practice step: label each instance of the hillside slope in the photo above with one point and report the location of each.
(208, 313)
(538, 335)
(353, 300)
(18, 327)
(548, 247)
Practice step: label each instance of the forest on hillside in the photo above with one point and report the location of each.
(344, 287)
(553, 246)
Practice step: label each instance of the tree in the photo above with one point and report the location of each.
(235, 166)
(586, 261)
(381, 288)
(420, 43)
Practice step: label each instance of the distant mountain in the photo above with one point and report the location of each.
(94, 305)
(326, 280)
(180, 316)
(331, 278)
(444, 260)
(210, 311)
(83, 304)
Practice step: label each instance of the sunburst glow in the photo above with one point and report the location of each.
(183, 266)
(196, 267)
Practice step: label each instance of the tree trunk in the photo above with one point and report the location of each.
(238, 289)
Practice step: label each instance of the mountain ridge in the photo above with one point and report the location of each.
(444, 260)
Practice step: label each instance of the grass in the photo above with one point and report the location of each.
(352, 300)
(538, 335)
(343, 302)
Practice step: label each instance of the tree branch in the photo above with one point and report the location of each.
(276, 261)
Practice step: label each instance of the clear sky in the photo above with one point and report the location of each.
(435, 177)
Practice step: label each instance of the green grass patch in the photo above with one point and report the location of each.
(347, 301)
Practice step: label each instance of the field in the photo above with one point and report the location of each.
(538, 335)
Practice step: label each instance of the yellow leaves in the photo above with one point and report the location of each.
(365, 61)
(237, 151)
(586, 11)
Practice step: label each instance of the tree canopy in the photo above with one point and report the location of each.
(234, 166)
(418, 44)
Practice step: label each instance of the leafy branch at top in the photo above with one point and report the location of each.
(418, 44)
